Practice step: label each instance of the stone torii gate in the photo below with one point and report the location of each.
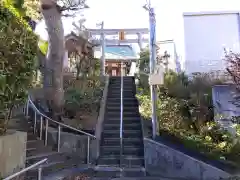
(121, 33)
(153, 81)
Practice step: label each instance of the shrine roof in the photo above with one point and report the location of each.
(117, 52)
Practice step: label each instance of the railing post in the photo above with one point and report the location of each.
(24, 109)
(27, 108)
(88, 149)
(46, 132)
(40, 173)
(59, 138)
(35, 122)
(41, 127)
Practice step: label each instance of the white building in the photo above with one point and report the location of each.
(169, 47)
(206, 34)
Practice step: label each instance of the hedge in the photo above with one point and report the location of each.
(18, 48)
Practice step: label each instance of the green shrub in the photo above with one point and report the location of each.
(185, 113)
(17, 56)
(84, 93)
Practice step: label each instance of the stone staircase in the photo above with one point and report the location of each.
(63, 166)
(132, 159)
(36, 151)
(133, 155)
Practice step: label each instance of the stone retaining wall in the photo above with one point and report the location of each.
(98, 129)
(12, 152)
(76, 145)
(165, 161)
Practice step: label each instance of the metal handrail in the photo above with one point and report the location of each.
(56, 122)
(121, 120)
(39, 163)
(43, 117)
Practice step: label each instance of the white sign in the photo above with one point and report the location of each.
(157, 78)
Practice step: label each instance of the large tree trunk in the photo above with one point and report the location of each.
(53, 71)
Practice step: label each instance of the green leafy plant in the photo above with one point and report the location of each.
(185, 113)
(84, 93)
(17, 56)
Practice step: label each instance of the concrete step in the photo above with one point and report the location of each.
(38, 150)
(118, 78)
(35, 144)
(109, 141)
(118, 108)
(112, 126)
(52, 156)
(135, 122)
(117, 103)
(126, 86)
(126, 120)
(106, 174)
(130, 90)
(117, 92)
(54, 167)
(127, 150)
(118, 81)
(127, 161)
(118, 172)
(75, 173)
(125, 135)
(22, 125)
(125, 132)
(117, 98)
(31, 136)
(101, 173)
(133, 114)
(118, 84)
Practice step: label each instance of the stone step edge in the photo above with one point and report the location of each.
(43, 155)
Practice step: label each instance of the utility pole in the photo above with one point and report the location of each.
(152, 62)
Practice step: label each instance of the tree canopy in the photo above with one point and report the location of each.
(27, 8)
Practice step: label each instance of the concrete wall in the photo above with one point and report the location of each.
(76, 145)
(98, 129)
(12, 152)
(163, 160)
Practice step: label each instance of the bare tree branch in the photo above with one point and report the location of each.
(71, 5)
